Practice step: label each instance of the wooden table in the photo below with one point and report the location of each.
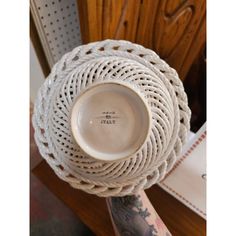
(92, 210)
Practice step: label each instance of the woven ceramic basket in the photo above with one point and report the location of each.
(111, 118)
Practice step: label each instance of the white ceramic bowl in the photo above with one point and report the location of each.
(111, 118)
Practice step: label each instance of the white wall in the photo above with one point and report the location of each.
(36, 74)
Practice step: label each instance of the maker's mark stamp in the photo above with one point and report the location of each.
(108, 118)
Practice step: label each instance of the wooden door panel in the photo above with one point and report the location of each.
(175, 29)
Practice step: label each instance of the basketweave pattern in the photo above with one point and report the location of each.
(111, 60)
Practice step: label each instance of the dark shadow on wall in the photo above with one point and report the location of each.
(195, 87)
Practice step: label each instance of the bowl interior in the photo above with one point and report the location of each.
(110, 121)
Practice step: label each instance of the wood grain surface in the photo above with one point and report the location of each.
(92, 210)
(175, 29)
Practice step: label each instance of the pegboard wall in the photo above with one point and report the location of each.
(57, 23)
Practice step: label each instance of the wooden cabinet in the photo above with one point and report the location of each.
(175, 29)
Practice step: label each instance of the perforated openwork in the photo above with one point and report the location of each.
(57, 23)
(111, 60)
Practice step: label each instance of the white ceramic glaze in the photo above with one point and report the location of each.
(110, 121)
(73, 76)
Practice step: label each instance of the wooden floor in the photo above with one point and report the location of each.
(92, 210)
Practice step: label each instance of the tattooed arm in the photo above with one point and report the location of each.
(135, 216)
